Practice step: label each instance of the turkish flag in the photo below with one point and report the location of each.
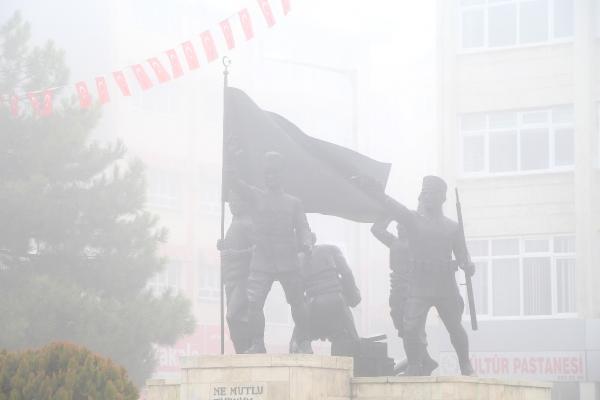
(35, 103)
(175, 64)
(287, 7)
(228, 34)
(246, 23)
(142, 77)
(267, 12)
(102, 90)
(14, 105)
(85, 100)
(46, 103)
(190, 55)
(209, 46)
(159, 70)
(122, 82)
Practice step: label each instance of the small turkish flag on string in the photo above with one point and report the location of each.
(246, 23)
(122, 82)
(190, 55)
(287, 6)
(142, 77)
(46, 103)
(14, 105)
(267, 12)
(209, 46)
(102, 90)
(159, 70)
(228, 34)
(175, 64)
(35, 103)
(85, 100)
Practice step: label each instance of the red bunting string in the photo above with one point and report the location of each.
(210, 49)
(142, 77)
(287, 7)
(85, 100)
(122, 83)
(246, 23)
(102, 90)
(41, 101)
(161, 73)
(175, 64)
(35, 103)
(46, 103)
(190, 55)
(267, 12)
(227, 34)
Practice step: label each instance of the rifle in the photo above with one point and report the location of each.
(468, 282)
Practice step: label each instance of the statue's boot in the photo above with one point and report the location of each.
(466, 368)
(400, 367)
(414, 370)
(257, 347)
(301, 347)
(429, 364)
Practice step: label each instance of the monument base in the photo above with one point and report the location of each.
(447, 388)
(303, 377)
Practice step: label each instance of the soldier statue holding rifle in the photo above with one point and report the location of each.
(433, 239)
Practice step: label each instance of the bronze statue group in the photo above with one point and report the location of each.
(270, 240)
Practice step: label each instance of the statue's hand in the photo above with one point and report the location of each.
(469, 268)
(368, 184)
(228, 255)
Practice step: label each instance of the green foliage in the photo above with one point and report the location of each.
(77, 247)
(62, 371)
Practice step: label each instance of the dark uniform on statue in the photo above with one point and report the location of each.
(401, 265)
(236, 253)
(330, 292)
(433, 239)
(281, 231)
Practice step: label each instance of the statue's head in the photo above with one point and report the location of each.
(237, 205)
(274, 166)
(433, 193)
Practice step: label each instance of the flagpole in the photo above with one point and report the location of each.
(226, 63)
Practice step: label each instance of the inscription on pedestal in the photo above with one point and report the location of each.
(238, 391)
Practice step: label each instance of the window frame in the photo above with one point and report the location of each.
(552, 127)
(552, 39)
(209, 293)
(552, 254)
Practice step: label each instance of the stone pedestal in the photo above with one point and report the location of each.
(447, 388)
(160, 389)
(311, 377)
(266, 377)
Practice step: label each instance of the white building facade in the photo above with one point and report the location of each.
(518, 135)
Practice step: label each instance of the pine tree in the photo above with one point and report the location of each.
(77, 247)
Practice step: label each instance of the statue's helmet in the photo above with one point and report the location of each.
(433, 191)
(432, 183)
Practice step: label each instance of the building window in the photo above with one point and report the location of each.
(517, 141)
(524, 277)
(209, 283)
(165, 189)
(488, 24)
(168, 279)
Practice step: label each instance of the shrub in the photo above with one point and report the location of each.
(62, 371)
